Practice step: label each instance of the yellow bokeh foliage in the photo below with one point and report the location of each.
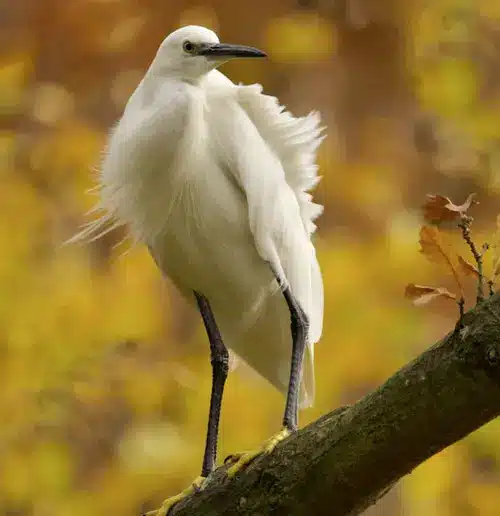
(104, 370)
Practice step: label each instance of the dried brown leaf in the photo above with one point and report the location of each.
(467, 268)
(438, 208)
(436, 250)
(421, 295)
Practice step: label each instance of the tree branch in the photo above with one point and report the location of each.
(346, 460)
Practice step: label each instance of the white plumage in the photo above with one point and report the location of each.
(214, 179)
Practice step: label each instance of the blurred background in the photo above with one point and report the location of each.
(104, 369)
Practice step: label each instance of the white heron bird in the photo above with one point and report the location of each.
(214, 179)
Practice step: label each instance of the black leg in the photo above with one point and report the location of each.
(219, 358)
(300, 328)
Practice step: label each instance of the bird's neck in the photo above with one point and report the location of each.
(172, 71)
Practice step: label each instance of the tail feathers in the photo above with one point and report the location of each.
(266, 345)
(307, 388)
(307, 384)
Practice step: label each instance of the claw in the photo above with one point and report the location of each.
(234, 457)
(245, 458)
(195, 487)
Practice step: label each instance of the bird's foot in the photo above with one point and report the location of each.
(195, 487)
(242, 460)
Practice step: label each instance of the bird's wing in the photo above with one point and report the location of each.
(265, 164)
(290, 146)
(295, 141)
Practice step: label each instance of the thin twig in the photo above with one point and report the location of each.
(465, 227)
(461, 304)
(489, 282)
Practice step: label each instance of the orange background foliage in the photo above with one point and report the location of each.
(104, 370)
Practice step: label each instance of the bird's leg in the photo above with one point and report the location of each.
(299, 325)
(219, 358)
(299, 328)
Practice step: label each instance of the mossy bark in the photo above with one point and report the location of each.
(346, 460)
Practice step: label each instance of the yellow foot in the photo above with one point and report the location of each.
(195, 487)
(245, 458)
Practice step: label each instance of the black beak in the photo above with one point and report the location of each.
(221, 50)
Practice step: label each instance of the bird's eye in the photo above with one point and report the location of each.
(188, 47)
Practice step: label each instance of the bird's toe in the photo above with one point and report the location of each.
(240, 461)
(195, 487)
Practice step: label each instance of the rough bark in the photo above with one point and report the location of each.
(343, 462)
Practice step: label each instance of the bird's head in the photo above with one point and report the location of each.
(191, 52)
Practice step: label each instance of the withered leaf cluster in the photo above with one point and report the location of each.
(436, 245)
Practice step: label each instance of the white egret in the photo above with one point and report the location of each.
(213, 178)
